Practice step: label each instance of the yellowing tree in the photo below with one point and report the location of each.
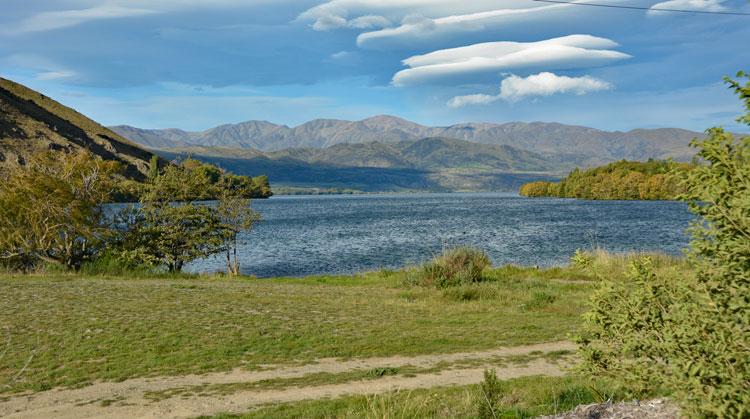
(51, 209)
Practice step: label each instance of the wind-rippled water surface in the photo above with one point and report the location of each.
(304, 235)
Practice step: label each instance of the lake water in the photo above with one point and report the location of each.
(304, 235)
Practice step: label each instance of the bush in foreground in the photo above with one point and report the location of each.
(490, 395)
(458, 266)
(688, 335)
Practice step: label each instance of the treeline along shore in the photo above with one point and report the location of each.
(622, 180)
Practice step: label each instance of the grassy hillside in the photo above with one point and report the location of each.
(652, 180)
(30, 121)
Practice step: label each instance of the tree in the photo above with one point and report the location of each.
(51, 208)
(173, 234)
(716, 367)
(236, 215)
(153, 167)
(170, 228)
(688, 335)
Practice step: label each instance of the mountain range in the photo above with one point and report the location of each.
(568, 145)
(433, 153)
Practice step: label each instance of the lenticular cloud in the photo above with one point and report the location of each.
(568, 52)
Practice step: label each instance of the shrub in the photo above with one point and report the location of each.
(539, 299)
(461, 265)
(490, 395)
(112, 263)
(51, 209)
(688, 335)
(582, 260)
(469, 293)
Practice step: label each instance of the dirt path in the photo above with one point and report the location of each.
(127, 399)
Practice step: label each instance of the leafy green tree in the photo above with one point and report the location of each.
(170, 228)
(716, 367)
(689, 336)
(51, 208)
(173, 234)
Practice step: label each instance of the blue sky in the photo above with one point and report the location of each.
(195, 64)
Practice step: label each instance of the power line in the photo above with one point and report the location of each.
(643, 8)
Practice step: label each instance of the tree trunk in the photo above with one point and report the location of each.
(236, 265)
(229, 264)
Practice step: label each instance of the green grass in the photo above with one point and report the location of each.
(522, 398)
(61, 329)
(72, 330)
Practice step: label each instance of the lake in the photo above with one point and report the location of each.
(333, 234)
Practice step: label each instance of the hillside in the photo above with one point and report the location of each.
(564, 144)
(30, 121)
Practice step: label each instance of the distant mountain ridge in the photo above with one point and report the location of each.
(423, 154)
(574, 145)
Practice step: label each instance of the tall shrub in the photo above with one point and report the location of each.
(51, 208)
(688, 336)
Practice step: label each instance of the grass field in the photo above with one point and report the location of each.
(522, 398)
(67, 330)
(70, 330)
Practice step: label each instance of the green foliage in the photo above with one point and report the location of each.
(236, 216)
(539, 299)
(490, 395)
(716, 367)
(172, 235)
(191, 180)
(51, 209)
(526, 397)
(582, 260)
(652, 180)
(461, 265)
(114, 264)
(743, 91)
(153, 167)
(170, 228)
(687, 334)
(471, 292)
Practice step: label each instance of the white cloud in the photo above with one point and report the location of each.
(699, 5)
(47, 21)
(428, 28)
(477, 99)
(369, 22)
(117, 9)
(329, 22)
(340, 55)
(43, 67)
(573, 51)
(56, 75)
(514, 88)
(347, 12)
